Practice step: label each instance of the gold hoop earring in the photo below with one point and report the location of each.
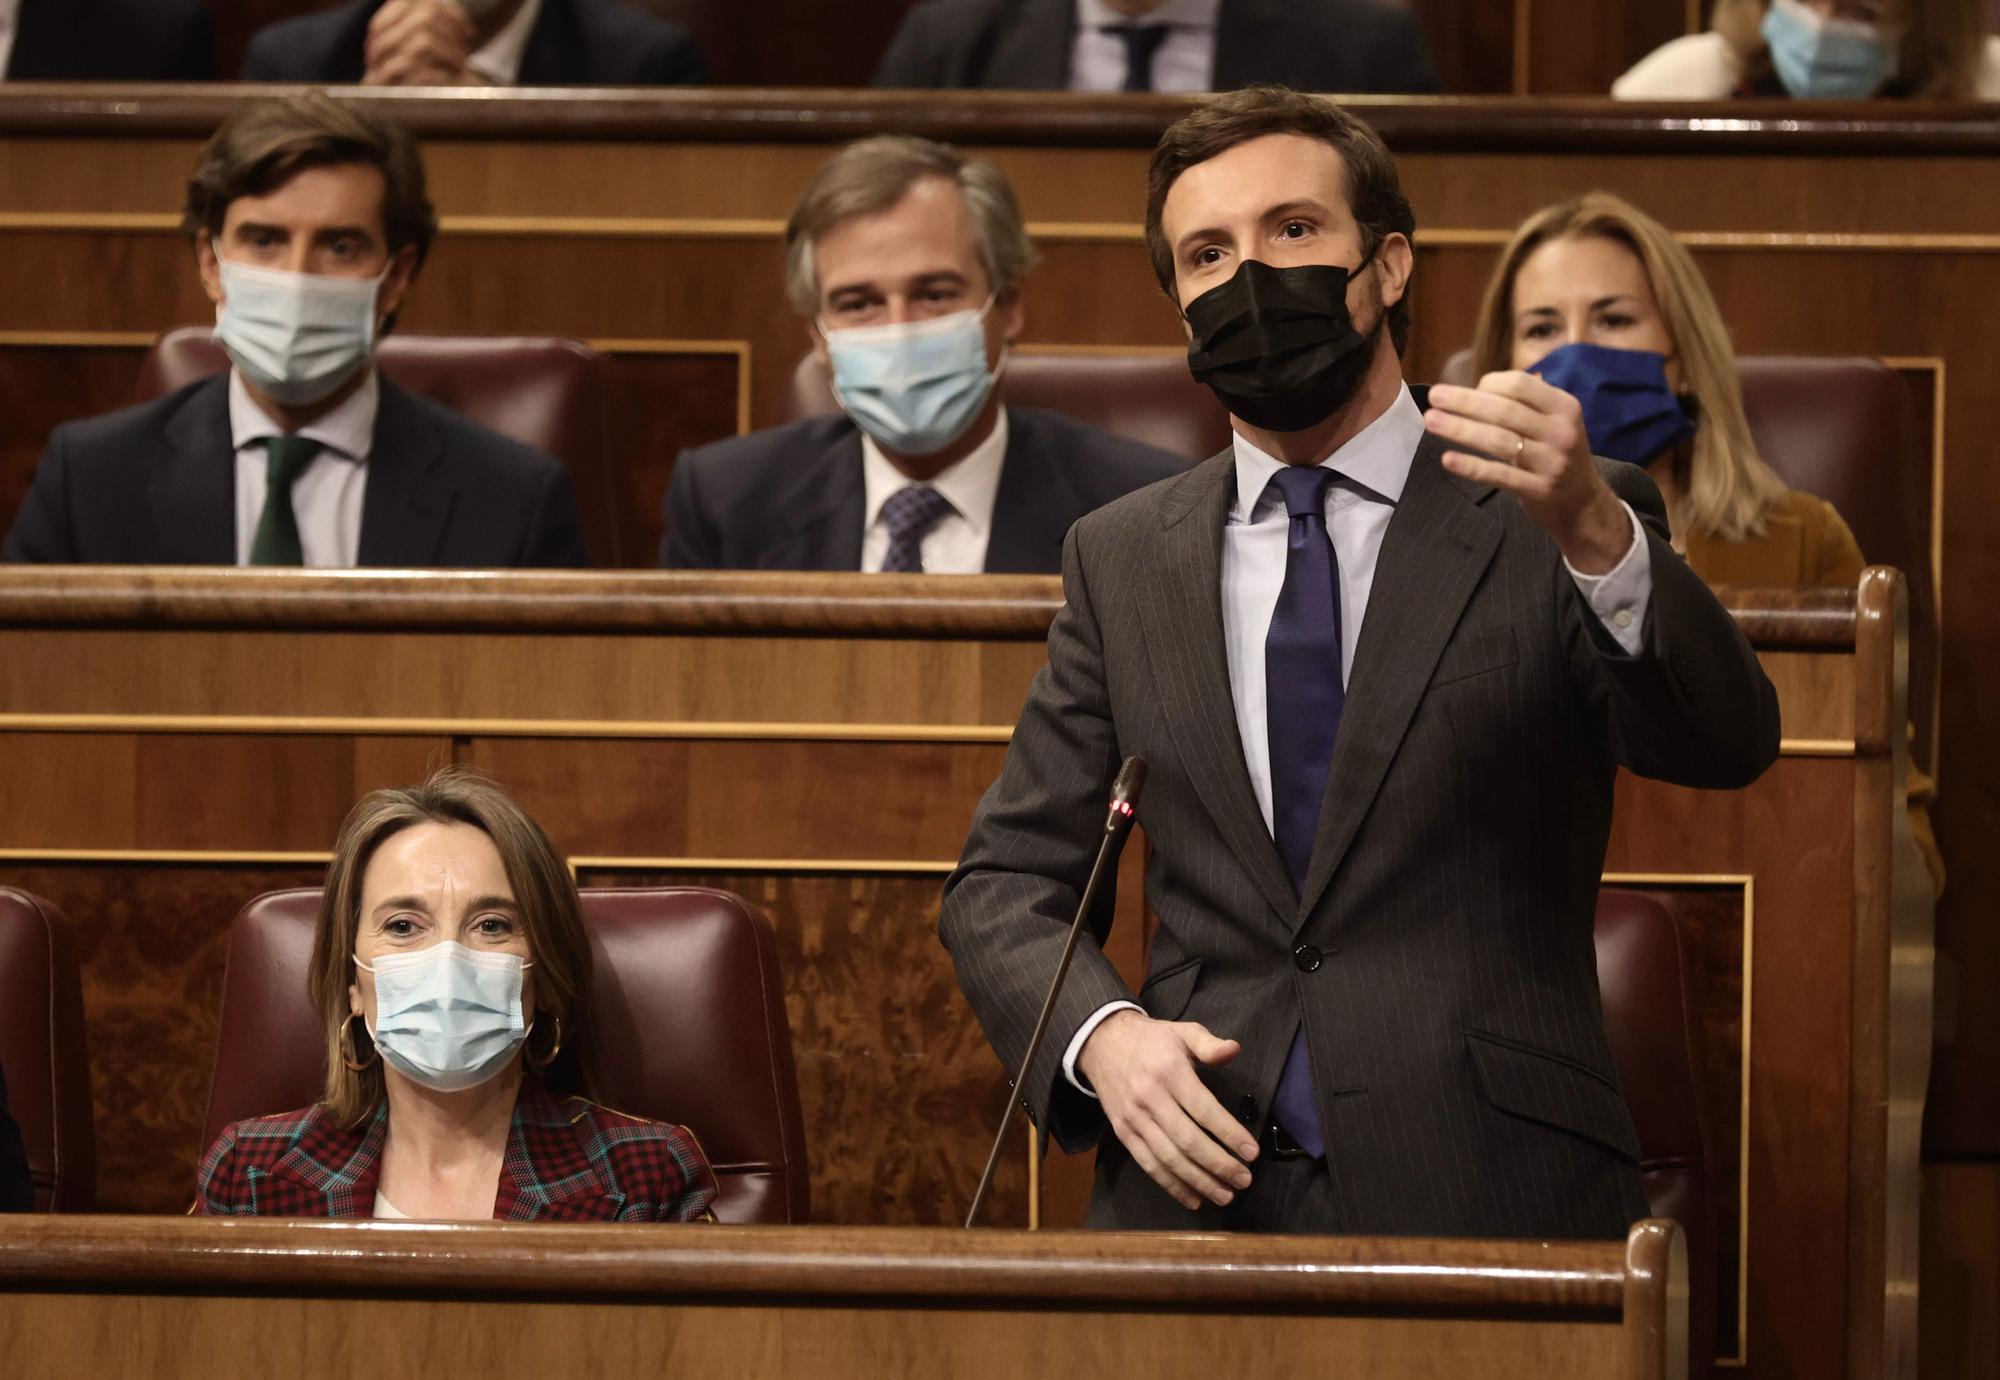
(347, 1047)
(554, 1049)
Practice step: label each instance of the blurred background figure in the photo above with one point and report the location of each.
(1159, 45)
(1827, 50)
(17, 1190)
(106, 40)
(478, 43)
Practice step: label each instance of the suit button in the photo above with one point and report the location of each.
(1307, 958)
(1246, 1110)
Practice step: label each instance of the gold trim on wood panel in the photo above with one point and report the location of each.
(184, 856)
(81, 340)
(613, 347)
(504, 728)
(897, 867)
(1874, 241)
(1935, 364)
(1748, 882)
(1816, 747)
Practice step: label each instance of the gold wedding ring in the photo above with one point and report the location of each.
(1520, 445)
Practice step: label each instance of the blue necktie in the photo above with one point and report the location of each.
(910, 513)
(1302, 702)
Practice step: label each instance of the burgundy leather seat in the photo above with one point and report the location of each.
(43, 1051)
(543, 391)
(1654, 1024)
(686, 1023)
(1142, 397)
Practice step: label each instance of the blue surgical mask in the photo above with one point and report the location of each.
(447, 1017)
(1819, 58)
(297, 336)
(1628, 408)
(914, 386)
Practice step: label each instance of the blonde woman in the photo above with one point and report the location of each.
(1600, 299)
(1834, 50)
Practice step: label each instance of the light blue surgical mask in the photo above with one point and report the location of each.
(297, 336)
(447, 1017)
(1819, 58)
(915, 386)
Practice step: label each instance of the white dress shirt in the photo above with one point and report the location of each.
(9, 23)
(498, 60)
(956, 544)
(1372, 469)
(326, 497)
(1184, 61)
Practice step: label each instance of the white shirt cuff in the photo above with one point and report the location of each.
(1084, 1032)
(1620, 596)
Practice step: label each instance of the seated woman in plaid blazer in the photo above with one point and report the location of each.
(449, 965)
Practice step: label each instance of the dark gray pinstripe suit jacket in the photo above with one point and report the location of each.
(1457, 1042)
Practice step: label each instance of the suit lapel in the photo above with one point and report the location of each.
(193, 494)
(548, 1172)
(1182, 614)
(336, 1168)
(822, 512)
(1033, 506)
(1438, 545)
(407, 505)
(1032, 51)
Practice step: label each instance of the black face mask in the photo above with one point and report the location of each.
(1277, 345)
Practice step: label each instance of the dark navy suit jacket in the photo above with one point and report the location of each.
(112, 40)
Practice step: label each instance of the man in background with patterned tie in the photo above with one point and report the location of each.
(910, 261)
(1383, 681)
(1159, 45)
(310, 221)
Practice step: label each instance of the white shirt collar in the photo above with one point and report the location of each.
(971, 485)
(499, 59)
(1181, 14)
(348, 431)
(1376, 459)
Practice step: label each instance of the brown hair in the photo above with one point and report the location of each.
(1374, 192)
(545, 893)
(1729, 489)
(1941, 44)
(262, 146)
(873, 175)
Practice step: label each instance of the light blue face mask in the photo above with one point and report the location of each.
(447, 1017)
(1823, 59)
(297, 336)
(914, 386)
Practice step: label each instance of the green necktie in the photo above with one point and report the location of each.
(277, 539)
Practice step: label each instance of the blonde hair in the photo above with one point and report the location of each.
(1940, 49)
(1729, 489)
(544, 892)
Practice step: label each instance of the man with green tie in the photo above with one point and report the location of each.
(310, 221)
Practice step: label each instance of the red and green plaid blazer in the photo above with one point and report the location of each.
(568, 1160)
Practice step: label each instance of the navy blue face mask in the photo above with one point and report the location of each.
(1628, 408)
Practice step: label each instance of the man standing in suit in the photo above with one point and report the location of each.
(909, 258)
(1384, 685)
(106, 40)
(1159, 45)
(477, 43)
(310, 221)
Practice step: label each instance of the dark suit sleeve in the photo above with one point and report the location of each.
(1694, 707)
(1401, 60)
(555, 536)
(688, 538)
(1008, 906)
(192, 54)
(41, 531)
(17, 1189)
(264, 59)
(674, 59)
(912, 57)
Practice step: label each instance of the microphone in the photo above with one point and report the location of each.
(1117, 824)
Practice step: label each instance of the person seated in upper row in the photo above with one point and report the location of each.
(310, 221)
(451, 967)
(1600, 299)
(1827, 50)
(478, 43)
(909, 258)
(1159, 45)
(106, 40)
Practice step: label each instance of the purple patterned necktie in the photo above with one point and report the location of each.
(910, 513)
(1303, 697)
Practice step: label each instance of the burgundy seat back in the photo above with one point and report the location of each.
(1142, 397)
(1653, 1020)
(686, 1023)
(43, 1052)
(543, 391)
